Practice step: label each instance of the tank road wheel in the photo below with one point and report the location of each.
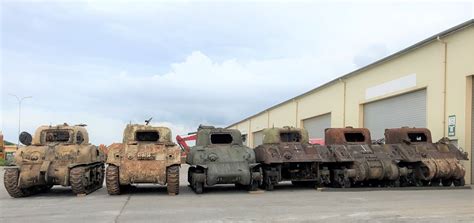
(340, 181)
(172, 178)
(112, 180)
(10, 180)
(459, 182)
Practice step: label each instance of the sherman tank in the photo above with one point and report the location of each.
(56, 155)
(286, 155)
(219, 157)
(146, 155)
(428, 163)
(370, 164)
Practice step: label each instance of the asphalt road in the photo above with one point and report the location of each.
(226, 204)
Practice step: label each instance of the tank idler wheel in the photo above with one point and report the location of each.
(459, 182)
(198, 187)
(342, 182)
(112, 180)
(447, 182)
(10, 180)
(172, 178)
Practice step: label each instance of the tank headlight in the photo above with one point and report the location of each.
(212, 157)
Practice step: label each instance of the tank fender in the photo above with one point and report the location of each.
(201, 166)
(70, 166)
(115, 154)
(11, 167)
(253, 165)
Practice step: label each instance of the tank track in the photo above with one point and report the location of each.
(10, 180)
(172, 178)
(112, 180)
(80, 184)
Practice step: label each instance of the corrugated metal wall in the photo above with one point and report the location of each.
(404, 110)
(257, 138)
(315, 126)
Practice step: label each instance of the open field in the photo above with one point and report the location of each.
(226, 204)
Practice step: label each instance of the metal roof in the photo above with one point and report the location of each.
(355, 72)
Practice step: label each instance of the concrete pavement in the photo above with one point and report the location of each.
(150, 203)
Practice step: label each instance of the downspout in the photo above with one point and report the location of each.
(268, 118)
(250, 134)
(343, 103)
(445, 64)
(296, 115)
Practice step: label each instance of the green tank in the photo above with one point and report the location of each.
(219, 157)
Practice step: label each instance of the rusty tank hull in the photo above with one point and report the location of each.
(58, 155)
(286, 155)
(431, 163)
(368, 165)
(219, 157)
(147, 155)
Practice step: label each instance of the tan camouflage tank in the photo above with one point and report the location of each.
(56, 155)
(147, 155)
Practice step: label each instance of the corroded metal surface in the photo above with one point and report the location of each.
(286, 155)
(219, 157)
(371, 165)
(433, 163)
(55, 153)
(146, 155)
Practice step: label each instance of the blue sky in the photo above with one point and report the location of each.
(108, 63)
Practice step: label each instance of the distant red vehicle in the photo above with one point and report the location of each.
(181, 140)
(317, 141)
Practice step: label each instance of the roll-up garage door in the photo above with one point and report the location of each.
(257, 138)
(404, 110)
(316, 126)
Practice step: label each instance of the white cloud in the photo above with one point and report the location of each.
(106, 63)
(196, 90)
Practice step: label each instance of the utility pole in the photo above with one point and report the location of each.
(19, 115)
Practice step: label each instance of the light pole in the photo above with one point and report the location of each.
(19, 115)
